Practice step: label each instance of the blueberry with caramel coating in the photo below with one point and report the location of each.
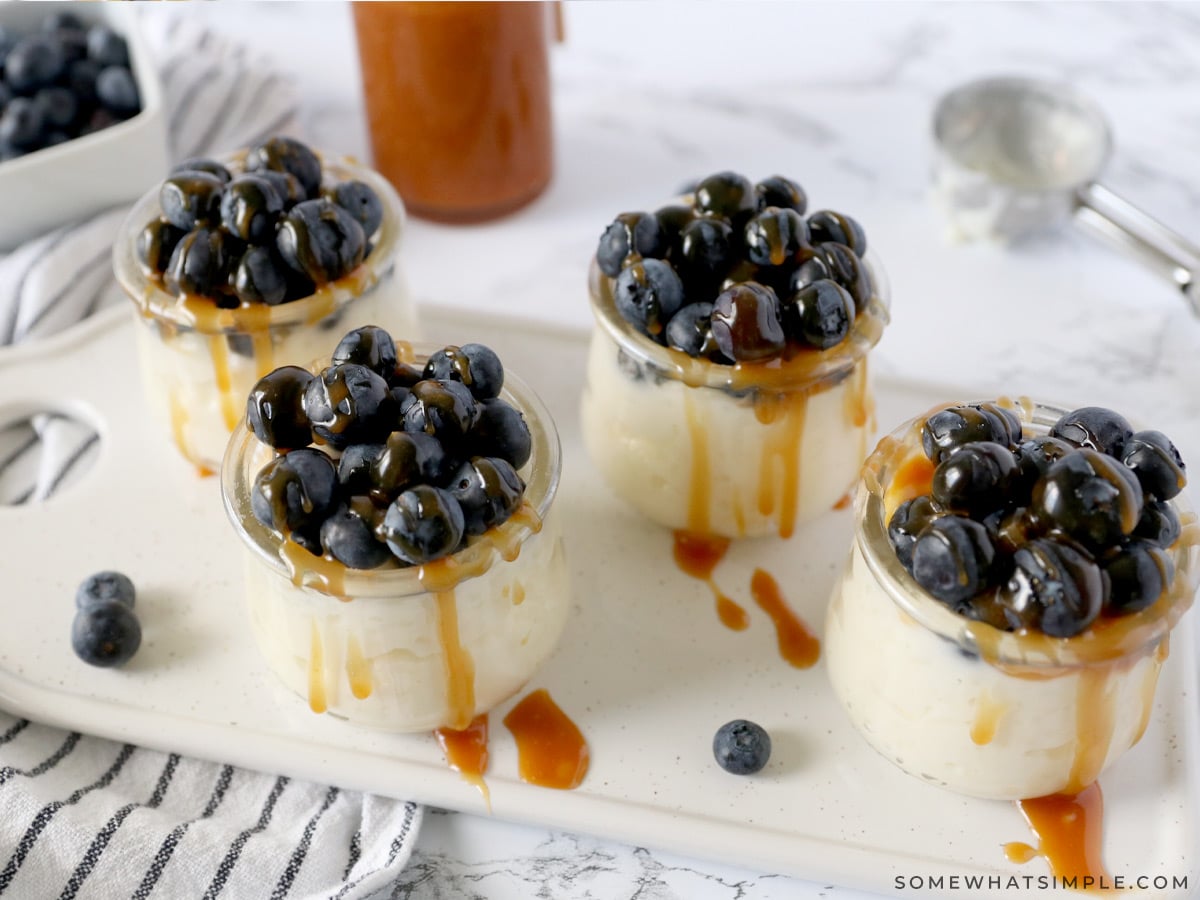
(321, 241)
(746, 323)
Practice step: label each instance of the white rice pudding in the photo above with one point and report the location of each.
(200, 362)
(964, 705)
(736, 451)
(418, 648)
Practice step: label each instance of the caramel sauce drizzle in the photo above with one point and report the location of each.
(798, 646)
(179, 420)
(698, 489)
(1070, 833)
(220, 357)
(323, 573)
(358, 669)
(697, 555)
(1019, 852)
(551, 750)
(1149, 683)
(988, 714)
(843, 502)
(316, 673)
(912, 479)
(467, 752)
(460, 668)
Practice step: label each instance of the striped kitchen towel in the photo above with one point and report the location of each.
(82, 817)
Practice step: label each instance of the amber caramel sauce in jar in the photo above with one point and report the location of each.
(458, 102)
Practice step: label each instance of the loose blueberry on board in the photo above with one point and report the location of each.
(948, 429)
(976, 479)
(820, 314)
(782, 193)
(1159, 523)
(260, 277)
(294, 493)
(105, 587)
(746, 323)
(444, 409)
(1054, 587)
(907, 522)
(361, 201)
(106, 634)
(1090, 496)
(489, 492)
(284, 154)
(191, 198)
(742, 747)
(648, 294)
(631, 235)
(424, 523)
(348, 404)
(1094, 427)
(369, 346)
(275, 408)
(250, 208)
(690, 330)
(832, 227)
(321, 240)
(775, 237)
(348, 535)
(953, 558)
(476, 366)
(501, 431)
(1156, 463)
(406, 459)
(727, 194)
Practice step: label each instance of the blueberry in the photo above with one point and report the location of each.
(250, 207)
(7, 41)
(105, 587)
(294, 493)
(727, 194)
(820, 314)
(781, 192)
(58, 105)
(848, 270)
(34, 61)
(405, 376)
(288, 186)
(1137, 576)
(975, 480)
(672, 220)
(191, 198)
(275, 408)
(62, 21)
(1035, 456)
(116, 89)
(690, 330)
(407, 459)
(106, 634)
(6, 93)
(948, 429)
(423, 524)
(348, 535)
(907, 523)
(953, 558)
(206, 165)
(707, 252)
(813, 269)
(72, 43)
(1090, 496)
(1159, 523)
(321, 240)
(501, 431)
(631, 235)
(80, 80)
(198, 264)
(369, 346)
(489, 490)
(354, 467)
(106, 47)
(775, 237)
(1012, 528)
(22, 124)
(746, 323)
(474, 365)
(1156, 463)
(284, 154)
(837, 228)
(1054, 587)
(741, 747)
(261, 277)
(348, 404)
(155, 244)
(647, 294)
(361, 201)
(1096, 428)
(446, 410)
(54, 138)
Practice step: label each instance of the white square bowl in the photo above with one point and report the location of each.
(115, 165)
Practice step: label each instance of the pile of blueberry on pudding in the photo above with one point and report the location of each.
(727, 387)
(405, 568)
(1016, 573)
(239, 265)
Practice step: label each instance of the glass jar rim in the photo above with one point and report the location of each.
(153, 301)
(543, 472)
(1032, 653)
(808, 370)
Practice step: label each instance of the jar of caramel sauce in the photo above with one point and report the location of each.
(458, 102)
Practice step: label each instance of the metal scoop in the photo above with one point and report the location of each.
(1015, 155)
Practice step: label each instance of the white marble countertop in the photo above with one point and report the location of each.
(839, 96)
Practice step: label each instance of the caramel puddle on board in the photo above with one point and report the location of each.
(798, 646)
(697, 555)
(551, 750)
(467, 753)
(1070, 834)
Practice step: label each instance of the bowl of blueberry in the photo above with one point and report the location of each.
(727, 389)
(79, 95)
(238, 265)
(404, 562)
(1016, 572)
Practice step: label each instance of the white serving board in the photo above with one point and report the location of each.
(645, 668)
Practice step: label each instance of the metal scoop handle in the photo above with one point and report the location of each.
(1164, 250)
